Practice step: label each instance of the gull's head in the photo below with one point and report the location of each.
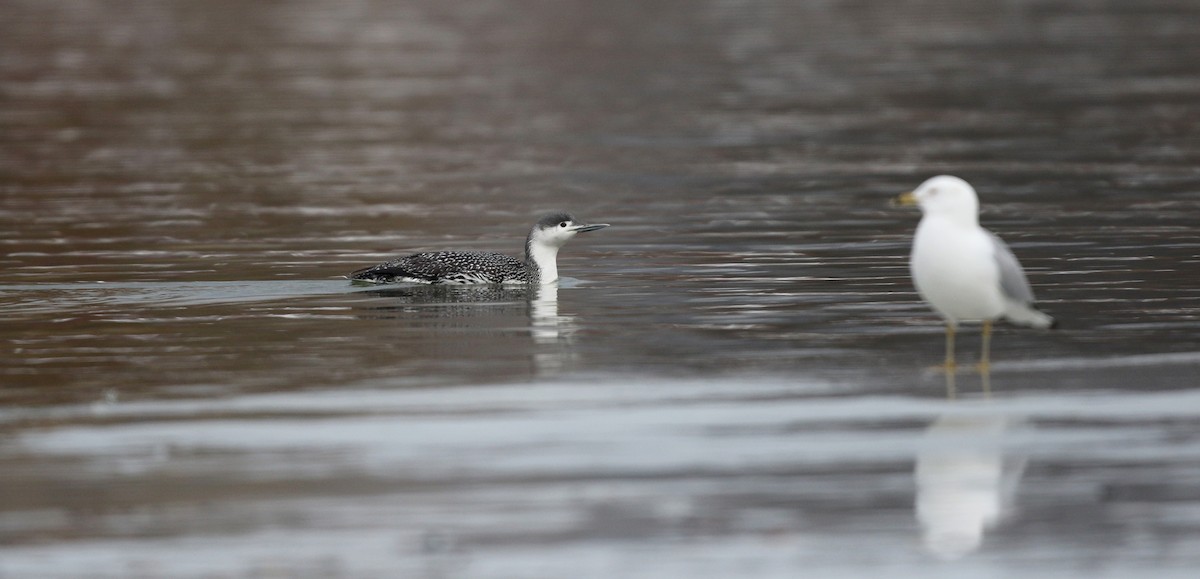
(945, 196)
(555, 229)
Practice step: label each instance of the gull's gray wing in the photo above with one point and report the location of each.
(1012, 277)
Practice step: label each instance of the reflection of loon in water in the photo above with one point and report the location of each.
(540, 265)
(538, 302)
(468, 296)
(965, 483)
(485, 309)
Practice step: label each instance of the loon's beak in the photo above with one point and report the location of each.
(580, 228)
(904, 200)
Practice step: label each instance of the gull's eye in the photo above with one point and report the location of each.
(563, 224)
(932, 192)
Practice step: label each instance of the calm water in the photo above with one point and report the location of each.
(731, 381)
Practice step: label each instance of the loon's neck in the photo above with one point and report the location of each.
(542, 261)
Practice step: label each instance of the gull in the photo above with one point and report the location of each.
(963, 271)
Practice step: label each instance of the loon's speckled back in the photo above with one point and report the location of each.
(448, 267)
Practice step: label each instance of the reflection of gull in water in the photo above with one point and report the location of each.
(965, 483)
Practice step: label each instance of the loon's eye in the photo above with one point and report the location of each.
(563, 224)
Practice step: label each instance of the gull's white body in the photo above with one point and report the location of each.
(954, 271)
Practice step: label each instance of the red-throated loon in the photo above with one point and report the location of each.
(540, 265)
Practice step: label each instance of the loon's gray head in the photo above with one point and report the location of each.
(555, 229)
(549, 234)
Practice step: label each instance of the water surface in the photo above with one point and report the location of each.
(730, 381)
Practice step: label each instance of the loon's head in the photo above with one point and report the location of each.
(555, 229)
(945, 196)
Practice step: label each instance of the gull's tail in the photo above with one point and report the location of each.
(1027, 315)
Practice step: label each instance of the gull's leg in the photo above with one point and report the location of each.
(950, 365)
(985, 379)
(985, 355)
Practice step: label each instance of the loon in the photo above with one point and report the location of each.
(540, 266)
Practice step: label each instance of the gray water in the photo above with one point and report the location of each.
(731, 381)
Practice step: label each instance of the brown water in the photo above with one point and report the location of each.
(729, 382)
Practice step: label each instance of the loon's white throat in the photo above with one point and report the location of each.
(544, 258)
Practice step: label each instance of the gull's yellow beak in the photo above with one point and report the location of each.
(904, 200)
